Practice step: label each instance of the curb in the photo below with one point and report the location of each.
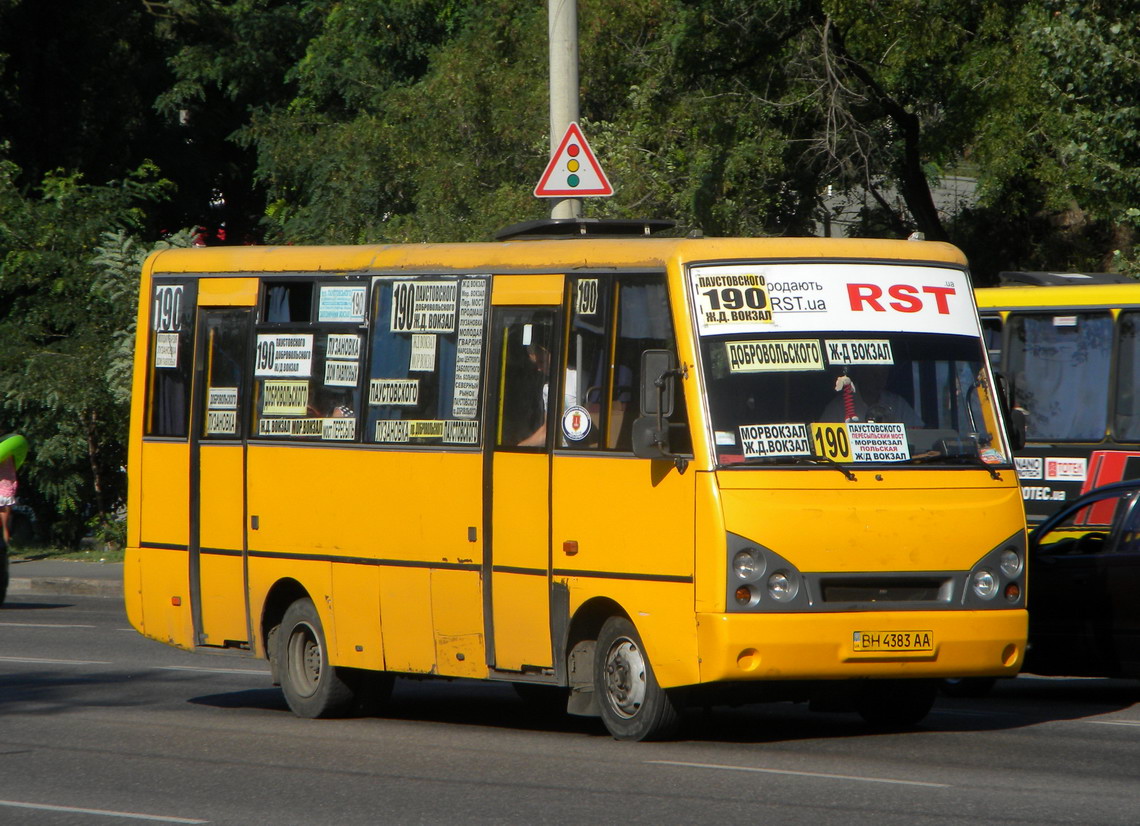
(56, 585)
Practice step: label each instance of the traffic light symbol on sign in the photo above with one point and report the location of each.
(573, 171)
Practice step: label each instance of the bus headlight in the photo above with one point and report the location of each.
(1010, 563)
(984, 583)
(747, 566)
(783, 586)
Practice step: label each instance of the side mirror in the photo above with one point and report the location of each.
(650, 441)
(651, 428)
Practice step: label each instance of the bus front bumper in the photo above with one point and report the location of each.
(833, 646)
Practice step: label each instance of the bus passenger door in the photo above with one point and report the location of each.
(217, 478)
(516, 572)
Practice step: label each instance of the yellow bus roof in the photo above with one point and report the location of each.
(539, 255)
(1058, 296)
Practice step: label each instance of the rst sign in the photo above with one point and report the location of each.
(769, 298)
(899, 298)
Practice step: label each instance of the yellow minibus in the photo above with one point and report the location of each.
(640, 472)
(1068, 345)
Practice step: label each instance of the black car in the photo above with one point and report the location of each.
(1083, 590)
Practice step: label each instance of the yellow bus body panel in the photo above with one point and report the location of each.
(222, 516)
(356, 607)
(528, 290)
(457, 619)
(405, 610)
(887, 521)
(633, 523)
(521, 533)
(165, 493)
(394, 530)
(228, 292)
(820, 646)
(156, 585)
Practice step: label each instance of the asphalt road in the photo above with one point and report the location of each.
(101, 726)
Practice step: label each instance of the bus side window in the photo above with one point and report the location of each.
(425, 379)
(527, 342)
(991, 334)
(307, 372)
(1126, 416)
(644, 323)
(226, 343)
(587, 378)
(287, 302)
(1058, 366)
(171, 358)
(614, 320)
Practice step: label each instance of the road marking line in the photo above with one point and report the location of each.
(211, 670)
(42, 625)
(1114, 722)
(801, 774)
(74, 810)
(46, 661)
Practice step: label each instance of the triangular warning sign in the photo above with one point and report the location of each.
(573, 171)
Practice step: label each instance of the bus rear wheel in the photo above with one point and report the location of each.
(312, 687)
(633, 704)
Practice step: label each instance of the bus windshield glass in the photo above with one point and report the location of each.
(845, 363)
(1059, 373)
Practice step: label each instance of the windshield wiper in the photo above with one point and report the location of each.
(953, 459)
(800, 460)
(826, 460)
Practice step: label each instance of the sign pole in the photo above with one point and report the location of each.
(563, 23)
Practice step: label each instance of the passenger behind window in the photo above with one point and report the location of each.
(538, 380)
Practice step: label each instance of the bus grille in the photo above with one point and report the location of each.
(895, 590)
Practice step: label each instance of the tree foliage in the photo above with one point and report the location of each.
(63, 315)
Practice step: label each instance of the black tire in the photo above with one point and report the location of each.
(633, 705)
(895, 704)
(3, 573)
(312, 687)
(967, 686)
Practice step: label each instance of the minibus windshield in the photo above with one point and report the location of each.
(814, 369)
(906, 397)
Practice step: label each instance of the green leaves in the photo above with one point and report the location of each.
(69, 272)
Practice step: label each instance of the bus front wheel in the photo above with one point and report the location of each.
(633, 705)
(312, 687)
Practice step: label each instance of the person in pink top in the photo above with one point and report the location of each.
(7, 496)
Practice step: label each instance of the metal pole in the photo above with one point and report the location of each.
(563, 21)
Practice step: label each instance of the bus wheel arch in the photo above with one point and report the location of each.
(633, 704)
(611, 677)
(581, 637)
(283, 594)
(313, 687)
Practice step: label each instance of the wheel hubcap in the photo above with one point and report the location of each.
(625, 677)
(304, 660)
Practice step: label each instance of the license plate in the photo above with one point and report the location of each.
(894, 641)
